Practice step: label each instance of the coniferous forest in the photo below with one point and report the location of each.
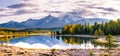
(112, 27)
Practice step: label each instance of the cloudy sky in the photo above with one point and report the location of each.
(21, 10)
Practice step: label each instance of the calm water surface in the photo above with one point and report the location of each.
(58, 42)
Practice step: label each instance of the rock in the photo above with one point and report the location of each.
(20, 53)
(10, 54)
(45, 55)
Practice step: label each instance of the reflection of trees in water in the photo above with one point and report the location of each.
(75, 40)
(6, 36)
(104, 44)
(69, 41)
(6, 39)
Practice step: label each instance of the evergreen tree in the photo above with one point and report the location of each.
(112, 27)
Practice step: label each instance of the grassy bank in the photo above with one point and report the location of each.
(16, 51)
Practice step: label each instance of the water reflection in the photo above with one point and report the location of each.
(83, 42)
(75, 40)
(54, 42)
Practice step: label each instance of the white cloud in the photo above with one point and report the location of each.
(40, 8)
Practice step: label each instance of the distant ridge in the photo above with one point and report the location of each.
(51, 22)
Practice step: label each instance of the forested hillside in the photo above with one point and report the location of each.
(112, 27)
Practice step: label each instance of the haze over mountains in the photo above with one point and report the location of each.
(51, 22)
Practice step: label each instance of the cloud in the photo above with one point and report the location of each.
(52, 11)
(107, 9)
(21, 5)
(102, 8)
(105, 13)
(2, 9)
(20, 12)
(40, 8)
(17, 5)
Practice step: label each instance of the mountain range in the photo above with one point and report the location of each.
(51, 22)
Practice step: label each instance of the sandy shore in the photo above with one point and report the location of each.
(16, 51)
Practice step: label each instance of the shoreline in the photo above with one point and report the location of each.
(66, 35)
(74, 35)
(6, 50)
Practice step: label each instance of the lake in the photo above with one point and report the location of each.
(58, 42)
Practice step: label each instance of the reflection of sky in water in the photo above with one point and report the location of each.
(48, 42)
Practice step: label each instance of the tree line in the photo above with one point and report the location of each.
(112, 27)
